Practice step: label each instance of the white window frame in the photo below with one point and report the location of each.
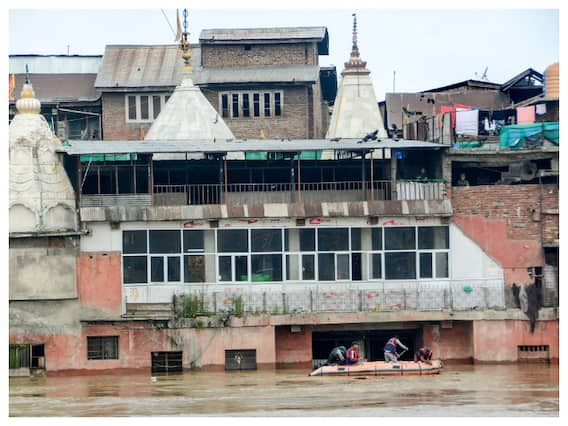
(250, 93)
(150, 96)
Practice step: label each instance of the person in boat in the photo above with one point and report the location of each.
(390, 349)
(352, 356)
(337, 356)
(423, 355)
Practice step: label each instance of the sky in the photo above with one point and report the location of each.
(410, 49)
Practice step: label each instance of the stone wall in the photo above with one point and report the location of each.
(235, 55)
(115, 126)
(291, 124)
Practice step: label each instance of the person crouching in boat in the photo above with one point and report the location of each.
(423, 355)
(337, 356)
(352, 356)
(390, 349)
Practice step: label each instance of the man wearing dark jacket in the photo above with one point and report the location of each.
(337, 356)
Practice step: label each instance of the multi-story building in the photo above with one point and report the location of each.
(212, 250)
(265, 83)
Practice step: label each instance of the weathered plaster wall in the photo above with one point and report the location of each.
(201, 347)
(505, 221)
(450, 340)
(293, 347)
(99, 282)
(499, 340)
(43, 268)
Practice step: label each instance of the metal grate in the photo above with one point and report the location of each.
(167, 362)
(240, 359)
(533, 353)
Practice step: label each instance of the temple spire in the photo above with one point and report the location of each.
(186, 55)
(355, 62)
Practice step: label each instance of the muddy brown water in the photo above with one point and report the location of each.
(460, 390)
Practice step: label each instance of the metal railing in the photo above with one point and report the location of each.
(486, 294)
(200, 194)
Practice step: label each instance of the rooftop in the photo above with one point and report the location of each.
(80, 147)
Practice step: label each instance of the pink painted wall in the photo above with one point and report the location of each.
(99, 281)
(452, 340)
(201, 347)
(293, 347)
(498, 340)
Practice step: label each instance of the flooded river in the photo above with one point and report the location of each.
(460, 390)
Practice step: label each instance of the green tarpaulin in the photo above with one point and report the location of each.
(304, 155)
(108, 157)
(522, 135)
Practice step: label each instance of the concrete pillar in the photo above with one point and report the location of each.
(210, 267)
(294, 260)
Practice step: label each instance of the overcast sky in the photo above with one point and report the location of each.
(426, 48)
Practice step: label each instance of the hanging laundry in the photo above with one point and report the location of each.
(541, 109)
(525, 115)
(467, 122)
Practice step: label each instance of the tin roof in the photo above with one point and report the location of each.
(51, 88)
(55, 64)
(267, 35)
(281, 74)
(125, 66)
(82, 147)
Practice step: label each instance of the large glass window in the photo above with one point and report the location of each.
(134, 269)
(165, 241)
(400, 238)
(232, 241)
(400, 265)
(194, 269)
(263, 240)
(433, 237)
(134, 242)
(193, 241)
(333, 239)
(102, 347)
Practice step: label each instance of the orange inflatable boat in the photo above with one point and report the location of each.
(381, 368)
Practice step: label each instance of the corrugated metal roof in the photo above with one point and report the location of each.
(284, 74)
(140, 66)
(257, 34)
(55, 64)
(82, 147)
(60, 87)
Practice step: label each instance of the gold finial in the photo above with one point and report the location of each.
(28, 104)
(186, 55)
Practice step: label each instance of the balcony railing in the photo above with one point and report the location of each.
(242, 193)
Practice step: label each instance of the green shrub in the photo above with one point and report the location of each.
(189, 306)
(239, 306)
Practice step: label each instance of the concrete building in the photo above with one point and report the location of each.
(265, 83)
(211, 258)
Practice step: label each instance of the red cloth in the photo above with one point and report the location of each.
(352, 354)
(452, 109)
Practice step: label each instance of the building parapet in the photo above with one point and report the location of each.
(267, 210)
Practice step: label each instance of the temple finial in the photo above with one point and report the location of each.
(186, 55)
(355, 61)
(354, 31)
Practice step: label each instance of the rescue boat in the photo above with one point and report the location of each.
(381, 368)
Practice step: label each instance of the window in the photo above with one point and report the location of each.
(157, 105)
(131, 108)
(267, 104)
(225, 106)
(102, 347)
(235, 105)
(246, 106)
(256, 104)
(144, 108)
(253, 255)
(277, 105)
(238, 104)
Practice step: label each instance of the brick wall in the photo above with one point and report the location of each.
(115, 126)
(259, 54)
(292, 124)
(515, 205)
